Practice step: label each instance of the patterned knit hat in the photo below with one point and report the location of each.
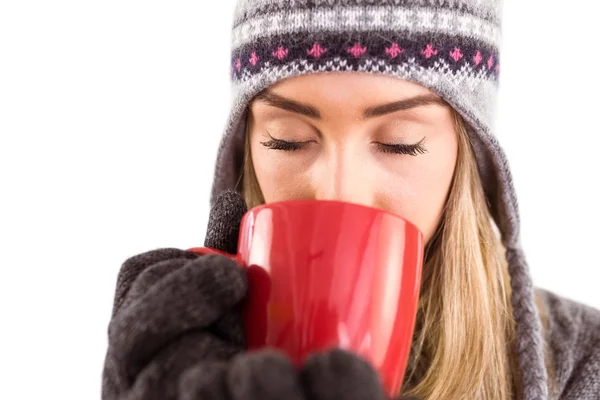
(448, 46)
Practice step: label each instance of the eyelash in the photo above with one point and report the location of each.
(278, 144)
(401, 148)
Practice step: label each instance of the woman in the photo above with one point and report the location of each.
(387, 104)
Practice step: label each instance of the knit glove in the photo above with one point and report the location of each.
(174, 309)
(269, 375)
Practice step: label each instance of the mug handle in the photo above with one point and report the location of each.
(202, 251)
(254, 307)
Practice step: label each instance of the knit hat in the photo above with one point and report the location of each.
(450, 47)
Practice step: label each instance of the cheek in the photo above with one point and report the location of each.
(281, 176)
(419, 189)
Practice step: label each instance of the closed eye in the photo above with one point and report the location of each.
(402, 148)
(388, 148)
(285, 145)
(277, 144)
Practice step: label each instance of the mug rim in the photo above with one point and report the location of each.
(339, 202)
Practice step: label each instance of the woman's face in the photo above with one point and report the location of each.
(367, 139)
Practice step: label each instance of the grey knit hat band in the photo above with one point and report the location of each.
(247, 9)
(359, 19)
(448, 46)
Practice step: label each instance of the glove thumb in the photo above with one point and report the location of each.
(224, 221)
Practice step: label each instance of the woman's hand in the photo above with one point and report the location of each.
(174, 309)
(180, 310)
(268, 375)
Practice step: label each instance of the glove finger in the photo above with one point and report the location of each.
(224, 221)
(149, 277)
(338, 374)
(133, 266)
(193, 297)
(265, 375)
(205, 381)
(230, 327)
(160, 376)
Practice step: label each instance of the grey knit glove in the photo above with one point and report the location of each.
(174, 309)
(268, 375)
(178, 311)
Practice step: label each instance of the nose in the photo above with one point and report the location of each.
(343, 177)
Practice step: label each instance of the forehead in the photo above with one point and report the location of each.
(344, 91)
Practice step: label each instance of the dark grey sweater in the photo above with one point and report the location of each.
(572, 341)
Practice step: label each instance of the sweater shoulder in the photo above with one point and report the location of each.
(572, 334)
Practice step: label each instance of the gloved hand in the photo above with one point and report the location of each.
(174, 309)
(176, 333)
(268, 375)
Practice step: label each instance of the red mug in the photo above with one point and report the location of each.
(326, 274)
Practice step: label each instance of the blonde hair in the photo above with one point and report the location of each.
(463, 345)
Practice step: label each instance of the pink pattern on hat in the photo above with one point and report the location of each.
(254, 58)
(316, 51)
(238, 64)
(357, 50)
(280, 53)
(429, 51)
(477, 58)
(456, 54)
(394, 51)
(490, 62)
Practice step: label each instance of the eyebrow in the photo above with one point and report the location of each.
(406, 104)
(283, 103)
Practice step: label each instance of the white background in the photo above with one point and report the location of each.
(110, 116)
